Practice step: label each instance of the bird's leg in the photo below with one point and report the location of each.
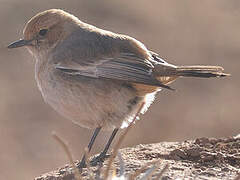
(83, 161)
(103, 154)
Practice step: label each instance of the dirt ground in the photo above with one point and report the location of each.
(203, 158)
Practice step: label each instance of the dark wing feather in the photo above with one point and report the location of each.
(126, 67)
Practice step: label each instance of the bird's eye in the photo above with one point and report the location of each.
(43, 32)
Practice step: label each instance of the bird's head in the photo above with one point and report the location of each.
(43, 31)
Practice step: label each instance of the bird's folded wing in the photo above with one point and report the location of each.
(125, 67)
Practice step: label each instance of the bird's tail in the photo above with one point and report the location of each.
(200, 71)
(167, 73)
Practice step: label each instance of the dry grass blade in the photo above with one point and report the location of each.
(121, 162)
(86, 154)
(69, 155)
(148, 173)
(139, 171)
(117, 146)
(114, 173)
(162, 171)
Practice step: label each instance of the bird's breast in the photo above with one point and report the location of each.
(87, 101)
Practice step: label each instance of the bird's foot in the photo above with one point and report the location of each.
(99, 159)
(81, 165)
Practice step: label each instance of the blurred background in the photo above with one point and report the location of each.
(183, 32)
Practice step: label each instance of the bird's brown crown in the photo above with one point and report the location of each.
(47, 27)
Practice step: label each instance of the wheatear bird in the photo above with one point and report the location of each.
(95, 77)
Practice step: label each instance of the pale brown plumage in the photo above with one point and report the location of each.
(95, 77)
(71, 50)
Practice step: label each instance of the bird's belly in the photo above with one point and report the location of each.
(92, 102)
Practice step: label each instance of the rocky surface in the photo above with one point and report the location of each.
(203, 158)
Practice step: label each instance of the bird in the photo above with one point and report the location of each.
(94, 77)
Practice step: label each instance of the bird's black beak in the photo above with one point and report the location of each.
(19, 43)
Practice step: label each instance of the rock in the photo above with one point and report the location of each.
(186, 160)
